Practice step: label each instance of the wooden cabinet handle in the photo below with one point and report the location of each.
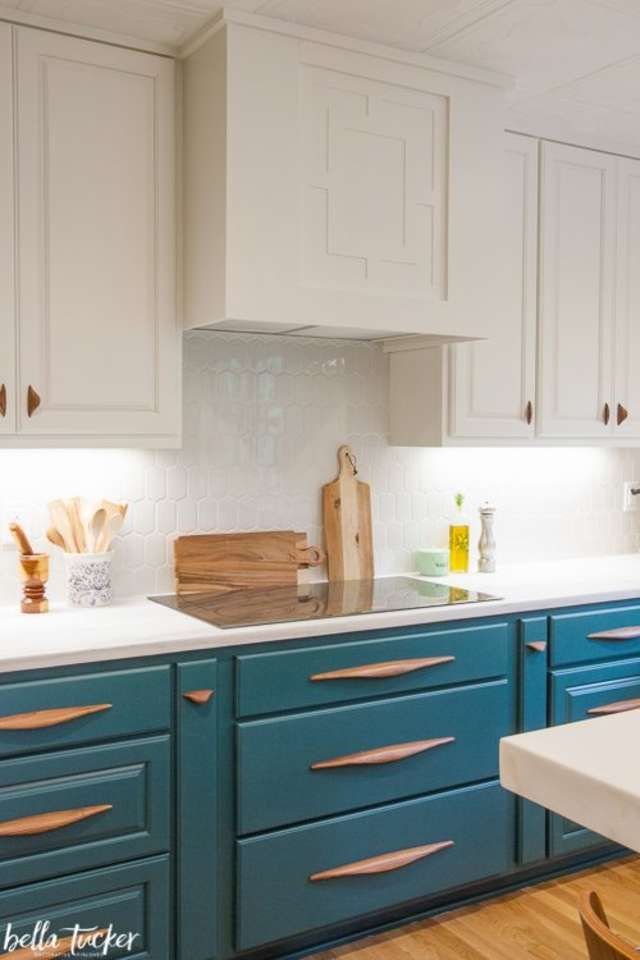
(382, 864)
(622, 633)
(529, 413)
(618, 706)
(33, 401)
(375, 671)
(45, 822)
(395, 751)
(622, 414)
(62, 948)
(538, 645)
(3, 400)
(199, 696)
(606, 414)
(40, 719)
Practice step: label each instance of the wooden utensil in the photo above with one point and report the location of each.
(75, 520)
(110, 529)
(22, 540)
(34, 573)
(54, 537)
(61, 522)
(346, 508)
(234, 561)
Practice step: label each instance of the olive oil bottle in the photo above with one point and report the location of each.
(459, 539)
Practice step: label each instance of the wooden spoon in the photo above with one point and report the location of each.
(75, 520)
(111, 528)
(61, 522)
(98, 524)
(54, 537)
(21, 539)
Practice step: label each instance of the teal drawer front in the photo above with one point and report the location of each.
(277, 785)
(277, 899)
(64, 812)
(603, 635)
(130, 899)
(591, 691)
(43, 714)
(272, 682)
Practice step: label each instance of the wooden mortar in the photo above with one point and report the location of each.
(34, 573)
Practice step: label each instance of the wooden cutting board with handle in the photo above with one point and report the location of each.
(346, 509)
(220, 562)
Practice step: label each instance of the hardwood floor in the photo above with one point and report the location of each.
(535, 923)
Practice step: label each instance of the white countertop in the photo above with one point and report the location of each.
(138, 627)
(585, 771)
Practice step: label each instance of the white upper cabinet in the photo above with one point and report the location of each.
(577, 277)
(99, 345)
(333, 191)
(492, 382)
(627, 381)
(7, 303)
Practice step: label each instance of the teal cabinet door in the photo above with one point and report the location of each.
(534, 655)
(311, 765)
(197, 820)
(65, 812)
(595, 635)
(130, 899)
(287, 883)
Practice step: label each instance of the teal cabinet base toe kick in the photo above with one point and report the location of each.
(270, 803)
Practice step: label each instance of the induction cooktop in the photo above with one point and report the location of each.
(318, 601)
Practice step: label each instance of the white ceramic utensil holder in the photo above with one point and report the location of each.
(89, 579)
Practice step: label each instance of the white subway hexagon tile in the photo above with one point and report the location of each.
(166, 517)
(207, 515)
(155, 550)
(196, 483)
(143, 517)
(156, 483)
(187, 516)
(176, 482)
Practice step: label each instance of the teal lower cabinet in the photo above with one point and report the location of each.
(278, 797)
(285, 882)
(130, 901)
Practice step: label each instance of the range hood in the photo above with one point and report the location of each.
(339, 189)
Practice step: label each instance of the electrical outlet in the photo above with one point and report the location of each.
(631, 501)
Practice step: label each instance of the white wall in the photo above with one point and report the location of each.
(263, 419)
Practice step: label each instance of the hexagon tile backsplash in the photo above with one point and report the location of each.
(263, 419)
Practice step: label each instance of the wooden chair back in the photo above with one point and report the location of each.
(602, 944)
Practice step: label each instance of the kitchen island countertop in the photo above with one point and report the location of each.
(137, 627)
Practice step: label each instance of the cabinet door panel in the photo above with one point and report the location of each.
(493, 380)
(578, 217)
(7, 303)
(98, 332)
(628, 299)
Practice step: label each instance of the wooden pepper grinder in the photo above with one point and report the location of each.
(34, 573)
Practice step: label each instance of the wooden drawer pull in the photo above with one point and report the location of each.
(375, 671)
(622, 633)
(62, 948)
(199, 696)
(33, 401)
(384, 863)
(538, 645)
(396, 751)
(3, 400)
(44, 822)
(618, 706)
(49, 718)
(622, 415)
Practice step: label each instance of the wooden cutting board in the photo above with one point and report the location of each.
(346, 508)
(220, 562)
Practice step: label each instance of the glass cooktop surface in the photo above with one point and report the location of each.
(318, 601)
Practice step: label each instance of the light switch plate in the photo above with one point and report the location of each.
(631, 501)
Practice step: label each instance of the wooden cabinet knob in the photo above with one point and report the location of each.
(3, 400)
(618, 706)
(199, 696)
(40, 719)
(623, 413)
(45, 822)
(376, 671)
(538, 645)
(33, 401)
(529, 413)
(379, 755)
(620, 633)
(384, 863)
(606, 414)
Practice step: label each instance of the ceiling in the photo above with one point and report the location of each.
(576, 63)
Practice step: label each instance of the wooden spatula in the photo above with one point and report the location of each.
(61, 522)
